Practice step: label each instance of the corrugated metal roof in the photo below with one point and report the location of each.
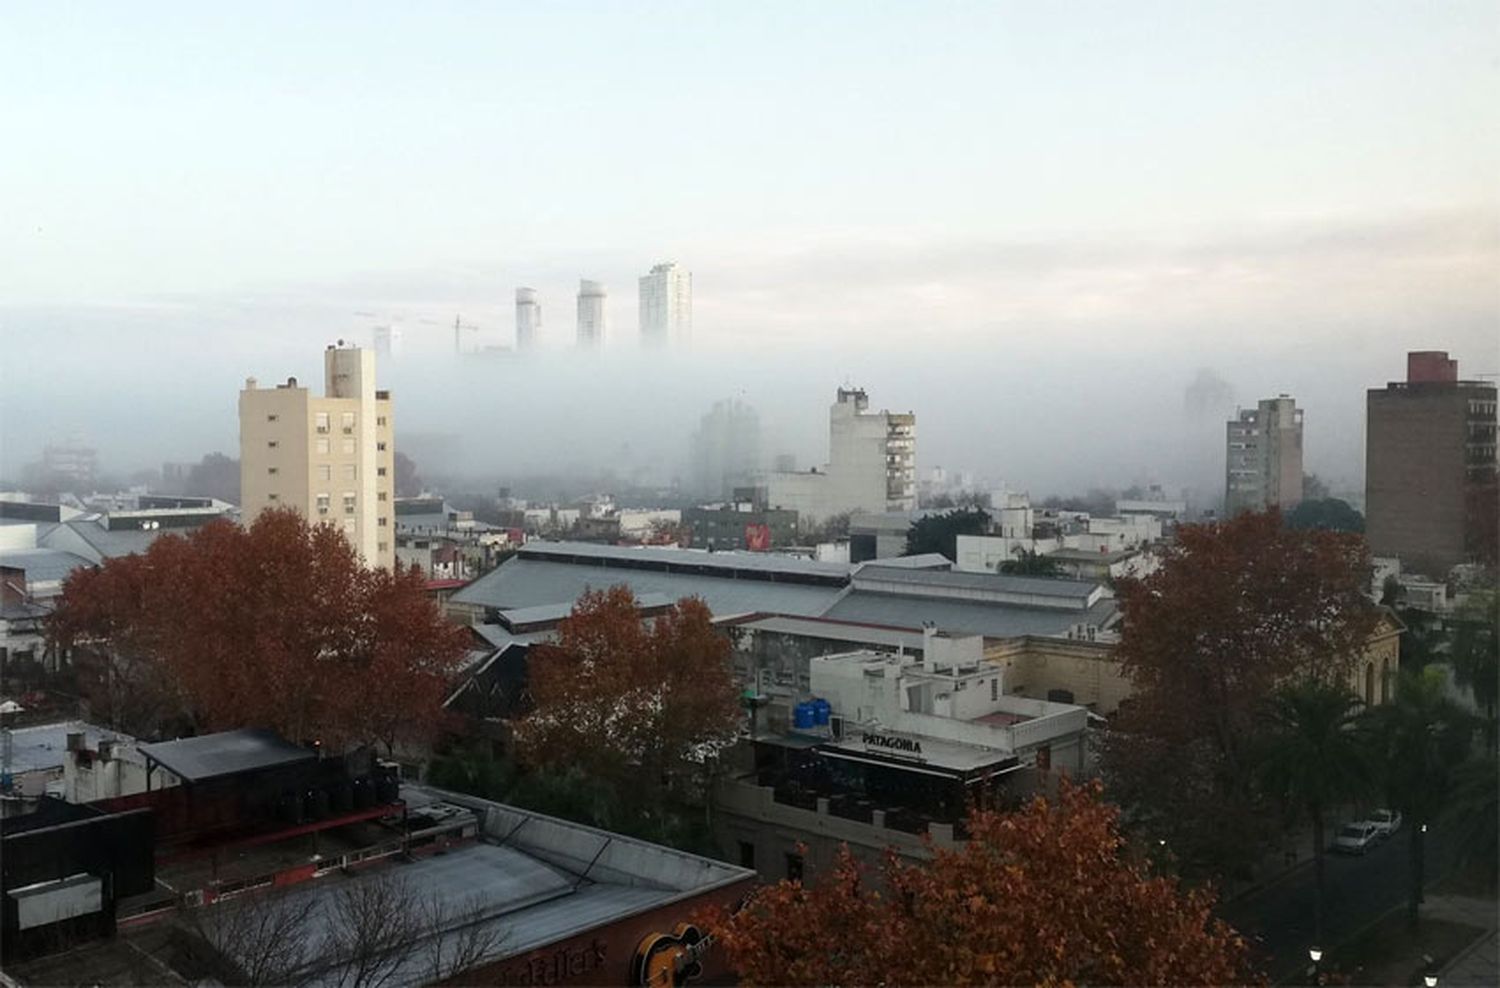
(841, 631)
(43, 565)
(971, 617)
(529, 582)
(924, 560)
(996, 583)
(668, 558)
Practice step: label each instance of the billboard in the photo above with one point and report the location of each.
(758, 538)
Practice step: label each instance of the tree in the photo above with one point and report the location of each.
(1473, 811)
(1029, 563)
(1044, 895)
(1476, 654)
(275, 626)
(1329, 514)
(1313, 488)
(629, 703)
(406, 481)
(1314, 759)
(939, 533)
(1420, 737)
(1236, 610)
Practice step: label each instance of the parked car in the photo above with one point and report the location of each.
(1386, 822)
(1356, 838)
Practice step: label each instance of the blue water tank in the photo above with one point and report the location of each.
(821, 712)
(803, 716)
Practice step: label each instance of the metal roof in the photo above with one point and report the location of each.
(995, 583)
(43, 565)
(923, 560)
(522, 582)
(212, 756)
(970, 617)
(659, 558)
(840, 631)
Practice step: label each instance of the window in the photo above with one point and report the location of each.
(348, 447)
(273, 497)
(380, 471)
(272, 444)
(793, 867)
(348, 502)
(380, 420)
(272, 470)
(348, 422)
(380, 495)
(325, 472)
(380, 447)
(384, 521)
(382, 547)
(322, 504)
(272, 418)
(994, 689)
(323, 445)
(349, 471)
(321, 419)
(747, 854)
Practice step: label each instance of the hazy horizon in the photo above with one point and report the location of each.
(1033, 226)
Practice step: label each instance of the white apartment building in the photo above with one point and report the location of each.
(871, 465)
(528, 318)
(330, 458)
(667, 306)
(591, 324)
(387, 341)
(1263, 457)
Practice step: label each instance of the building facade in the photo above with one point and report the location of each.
(331, 458)
(667, 306)
(1430, 475)
(1263, 457)
(591, 323)
(871, 464)
(528, 318)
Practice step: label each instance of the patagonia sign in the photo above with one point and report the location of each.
(894, 745)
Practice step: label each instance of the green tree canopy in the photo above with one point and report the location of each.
(939, 533)
(1329, 514)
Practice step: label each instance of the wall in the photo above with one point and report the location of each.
(1414, 476)
(1035, 665)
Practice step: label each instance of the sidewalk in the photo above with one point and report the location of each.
(1477, 967)
(1294, 854)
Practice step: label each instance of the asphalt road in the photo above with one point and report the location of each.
(1278, 918)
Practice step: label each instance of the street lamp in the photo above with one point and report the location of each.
(1429, 971)
(1430, 980)
(1315, 953)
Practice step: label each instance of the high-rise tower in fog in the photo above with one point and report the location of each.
(528, 318)
(331, 458)
(591, 298)
(1263, 457)
(667, 306)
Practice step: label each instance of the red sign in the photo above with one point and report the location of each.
(758, 538)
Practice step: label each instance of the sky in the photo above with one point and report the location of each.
(984, 211)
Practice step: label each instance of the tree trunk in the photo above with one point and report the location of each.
(1414, 898)
(1317, 822)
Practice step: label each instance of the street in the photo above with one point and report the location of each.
(1278, 919)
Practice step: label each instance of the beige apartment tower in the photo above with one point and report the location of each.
(1263, 457)
(331, 458)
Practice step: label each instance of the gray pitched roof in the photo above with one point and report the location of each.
(526, 581)
(969, 617)
(43, 565)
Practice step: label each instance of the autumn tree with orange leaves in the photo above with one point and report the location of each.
(1042, 895)
(276, 626)
(1236, 610)
(630, 701)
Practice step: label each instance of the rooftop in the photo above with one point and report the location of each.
(739, 565)
(1035, 591)
(43, 565)
(44, 747)
(966, 616)
(213, 756)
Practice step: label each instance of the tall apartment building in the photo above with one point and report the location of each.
(528, 318)
(1430, 469)
(666, 306)
(591, 299)
(1263, 457)
(871, 464)
(725, 451)
(387, 341)
(330, 458)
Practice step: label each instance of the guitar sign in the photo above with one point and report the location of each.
(667, 960)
